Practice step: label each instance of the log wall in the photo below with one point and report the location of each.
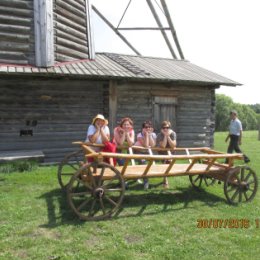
(17, 32)
(70, 30)
(195, 109)
(48, 114)
(55, 112)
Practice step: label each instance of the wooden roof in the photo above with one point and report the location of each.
(119, 66)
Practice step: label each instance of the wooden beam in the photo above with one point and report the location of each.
(44, 40)
(157, 19)
(90, 37)
(174, 34)
(115, 30)
(112, 103)
(143, 28)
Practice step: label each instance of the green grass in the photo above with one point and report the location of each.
(36, 222)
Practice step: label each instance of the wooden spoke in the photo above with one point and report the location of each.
(83, 204)
(235, 194)
(231, 188)
(240, 185)
(110, 200)
(113, 190)
(102, 205)
(242, 174)
(248, 176)
(69, 166)
(100, 192)
(240, 196)
(79, 194)
(197, 181)
(101, 176)
(92, 208)
(246, 197)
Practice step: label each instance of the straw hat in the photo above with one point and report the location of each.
(99, 116)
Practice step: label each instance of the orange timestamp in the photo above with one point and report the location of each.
(227, 223)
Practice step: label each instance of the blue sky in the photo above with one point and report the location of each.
(219, 35)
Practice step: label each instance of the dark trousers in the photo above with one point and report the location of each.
(234, 146)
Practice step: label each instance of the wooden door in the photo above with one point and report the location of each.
(164, 108)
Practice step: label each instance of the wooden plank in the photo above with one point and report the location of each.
(15, 20)
(146, 170)
(70, 8)
(172, 157)
(3, 69)
(77, 4)
(210, 164)
(60, 26)
(125, 166)
(9, 28)
(169, 167)
(19, 47)
(71, 24)
(72, 45)
(66, 35)
(112, 103)
(17, 4)
(193, 161)
(20, 155)
(130, 150)
(70, 52)
(43, 23)
(137, 171)
(90, 36)
(75, 18)
(18, 11)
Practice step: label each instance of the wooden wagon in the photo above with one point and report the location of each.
(96, 190)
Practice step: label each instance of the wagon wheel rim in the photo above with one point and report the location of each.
(96, 191)
(69, 166)
(240, 185)
(202, 179)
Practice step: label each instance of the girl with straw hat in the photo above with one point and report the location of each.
(98, 131)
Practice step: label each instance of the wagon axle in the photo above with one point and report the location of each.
(98, 193)
(244, 186)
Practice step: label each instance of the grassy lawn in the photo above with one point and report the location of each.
(36, 222)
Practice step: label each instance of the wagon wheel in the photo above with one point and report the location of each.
(95, 191)
(69, 165)
(198, 180)
(240, 185)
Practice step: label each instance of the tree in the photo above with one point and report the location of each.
(256, 108)
(224, 105)
(246, 114)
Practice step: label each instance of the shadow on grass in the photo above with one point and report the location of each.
(136, 203)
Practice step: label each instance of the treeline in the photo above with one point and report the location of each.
(248, 114)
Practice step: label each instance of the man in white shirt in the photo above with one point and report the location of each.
(235, 135)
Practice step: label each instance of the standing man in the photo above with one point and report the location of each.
(235, 135)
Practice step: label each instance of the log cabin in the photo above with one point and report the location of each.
(52, 83)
